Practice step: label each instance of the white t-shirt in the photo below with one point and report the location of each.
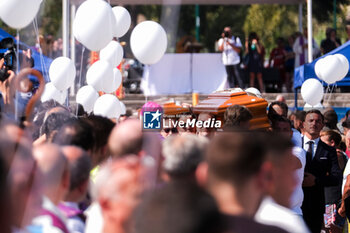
(296, 138)
(229, 55)
(94, 219)
(297, 197)
(271, 213)
(345, 175)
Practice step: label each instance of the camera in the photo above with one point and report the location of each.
(8, 53)
(227, 34)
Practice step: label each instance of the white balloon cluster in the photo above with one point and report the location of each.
(96, 23)
(18, 13)
(101, 76)
(106, 105)
(312, 91)
(332, 68)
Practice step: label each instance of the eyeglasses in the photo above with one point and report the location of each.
(167, 130)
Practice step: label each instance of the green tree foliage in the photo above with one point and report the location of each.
(271, 22)
(51, 18)
(215, 18)
(322, 10)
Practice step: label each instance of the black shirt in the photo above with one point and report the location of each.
(242, 224)
(328, 45)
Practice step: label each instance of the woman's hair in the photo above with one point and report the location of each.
(253, 36)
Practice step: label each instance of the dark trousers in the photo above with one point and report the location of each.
(233, 77)
(313, 208)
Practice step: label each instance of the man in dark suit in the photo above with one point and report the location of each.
(321, 170)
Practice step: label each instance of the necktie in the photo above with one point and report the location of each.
(309, 152)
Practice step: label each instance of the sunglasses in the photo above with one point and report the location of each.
(167, 130)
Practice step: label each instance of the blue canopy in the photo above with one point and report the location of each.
(41, 63)
(307, 71)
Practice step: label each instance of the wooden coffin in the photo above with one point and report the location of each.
(171, 108)
(217, 102)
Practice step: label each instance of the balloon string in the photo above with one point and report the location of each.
(42, 61)
(330, 93)
(37, 39)
(81, 65)
(81, 68)
(17, 71)
(17, 52)
(325, 96)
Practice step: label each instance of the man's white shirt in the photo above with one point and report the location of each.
(298, 194)
(229, 55)
(271, 213)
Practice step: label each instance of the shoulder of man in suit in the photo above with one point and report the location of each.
(327, 147)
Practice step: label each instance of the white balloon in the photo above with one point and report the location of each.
(18, 13)
(148, 42)
(111, 85)
(254, 91)
(308, 107)
(312, 91)
(93, 24)
(51, 92)
(113, 53)
(123, 21)
(62, 73)
(330, 71)
(122, 105)
(87, 97)
(108, 106)
(318, 67)
(117, 77)
(343, 65)
(100, 75)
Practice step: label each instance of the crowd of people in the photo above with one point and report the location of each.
(67, 171)
(288, 54)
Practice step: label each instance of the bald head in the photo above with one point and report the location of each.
(118, 188)
(280, 98)
(52, 164)
(126, 138)
(73, 153)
